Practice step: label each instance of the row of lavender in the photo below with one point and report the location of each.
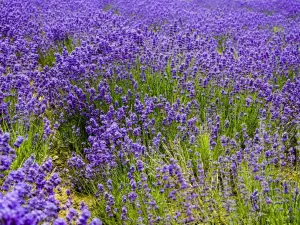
(161, 112)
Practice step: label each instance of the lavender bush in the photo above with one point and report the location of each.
(149, 112)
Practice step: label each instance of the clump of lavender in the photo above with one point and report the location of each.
(28, 193)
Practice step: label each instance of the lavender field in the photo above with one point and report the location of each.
(151, 112)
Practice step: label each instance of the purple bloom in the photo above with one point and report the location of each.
(19, 141)
(59, 221)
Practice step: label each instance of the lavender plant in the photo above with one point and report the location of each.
(157, 112)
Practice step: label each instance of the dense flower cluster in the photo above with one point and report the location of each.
(28, 193)
(162, 112)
